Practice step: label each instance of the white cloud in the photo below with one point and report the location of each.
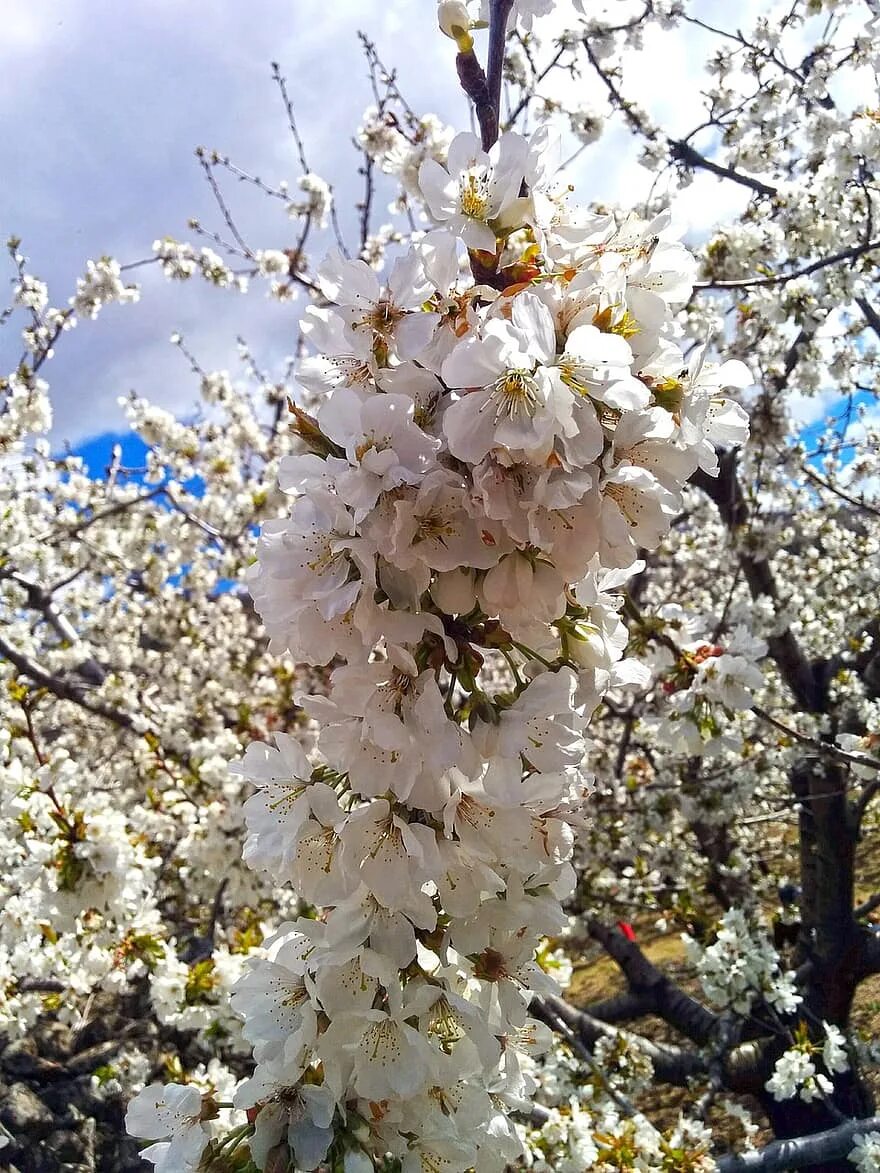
(102, 106)
(806, 410)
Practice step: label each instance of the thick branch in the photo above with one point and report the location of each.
(482, 89)
(813, 1151)
(473, 82)
(622, 1007)
(870, 959)
(654, 988)
(672, 1065)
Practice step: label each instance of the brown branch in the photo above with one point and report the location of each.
(856, 502)
(868, 907)
(206, 164)
(281, 82)
(40, 599)
(473, 82)
(622, 1007)
(78, 694)
(120, 507)
(679, 150)
(822, 747)
(830, 938)
(683, 152)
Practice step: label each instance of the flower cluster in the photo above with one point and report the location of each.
(865, 1153)
(742, 966)
(796, 1071)
(502, 424)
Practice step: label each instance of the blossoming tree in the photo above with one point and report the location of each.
(535, 635)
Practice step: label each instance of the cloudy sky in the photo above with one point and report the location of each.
(102, 104)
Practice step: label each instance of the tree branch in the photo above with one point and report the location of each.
(67, 690)
(821, 747)
(847, 254)
(684, 153)
(499, 14)
(871, 315)
(726, 493)
(654, 988)
(622, 1007)
(814, 1150)
(673, 1065)
(680, 150)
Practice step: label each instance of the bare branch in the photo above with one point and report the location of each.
(207, 165)
(280, 80)
(499, 14)
(654, 988)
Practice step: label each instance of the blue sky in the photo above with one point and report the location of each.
(103, 102)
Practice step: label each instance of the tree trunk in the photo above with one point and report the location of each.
(830, 944)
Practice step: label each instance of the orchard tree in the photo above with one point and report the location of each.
(530, 618)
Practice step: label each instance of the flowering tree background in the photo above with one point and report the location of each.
(539, 660)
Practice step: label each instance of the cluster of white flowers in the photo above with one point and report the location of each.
(796, 1073)
(400, 151)
(741, 966)
(489, 454)
(704, 681)
(318, 199)
(585, 1135)
(865, 1153)
(180, 261)
(25, 409)
(453, 540)
(106, 867)
(101, 285)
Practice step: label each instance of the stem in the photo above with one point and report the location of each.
(531, 654)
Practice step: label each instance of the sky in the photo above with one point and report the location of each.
(102, 104)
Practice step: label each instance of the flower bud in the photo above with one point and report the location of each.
(454, 20)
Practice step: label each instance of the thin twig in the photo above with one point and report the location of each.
(846, 254)
(853, 759)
